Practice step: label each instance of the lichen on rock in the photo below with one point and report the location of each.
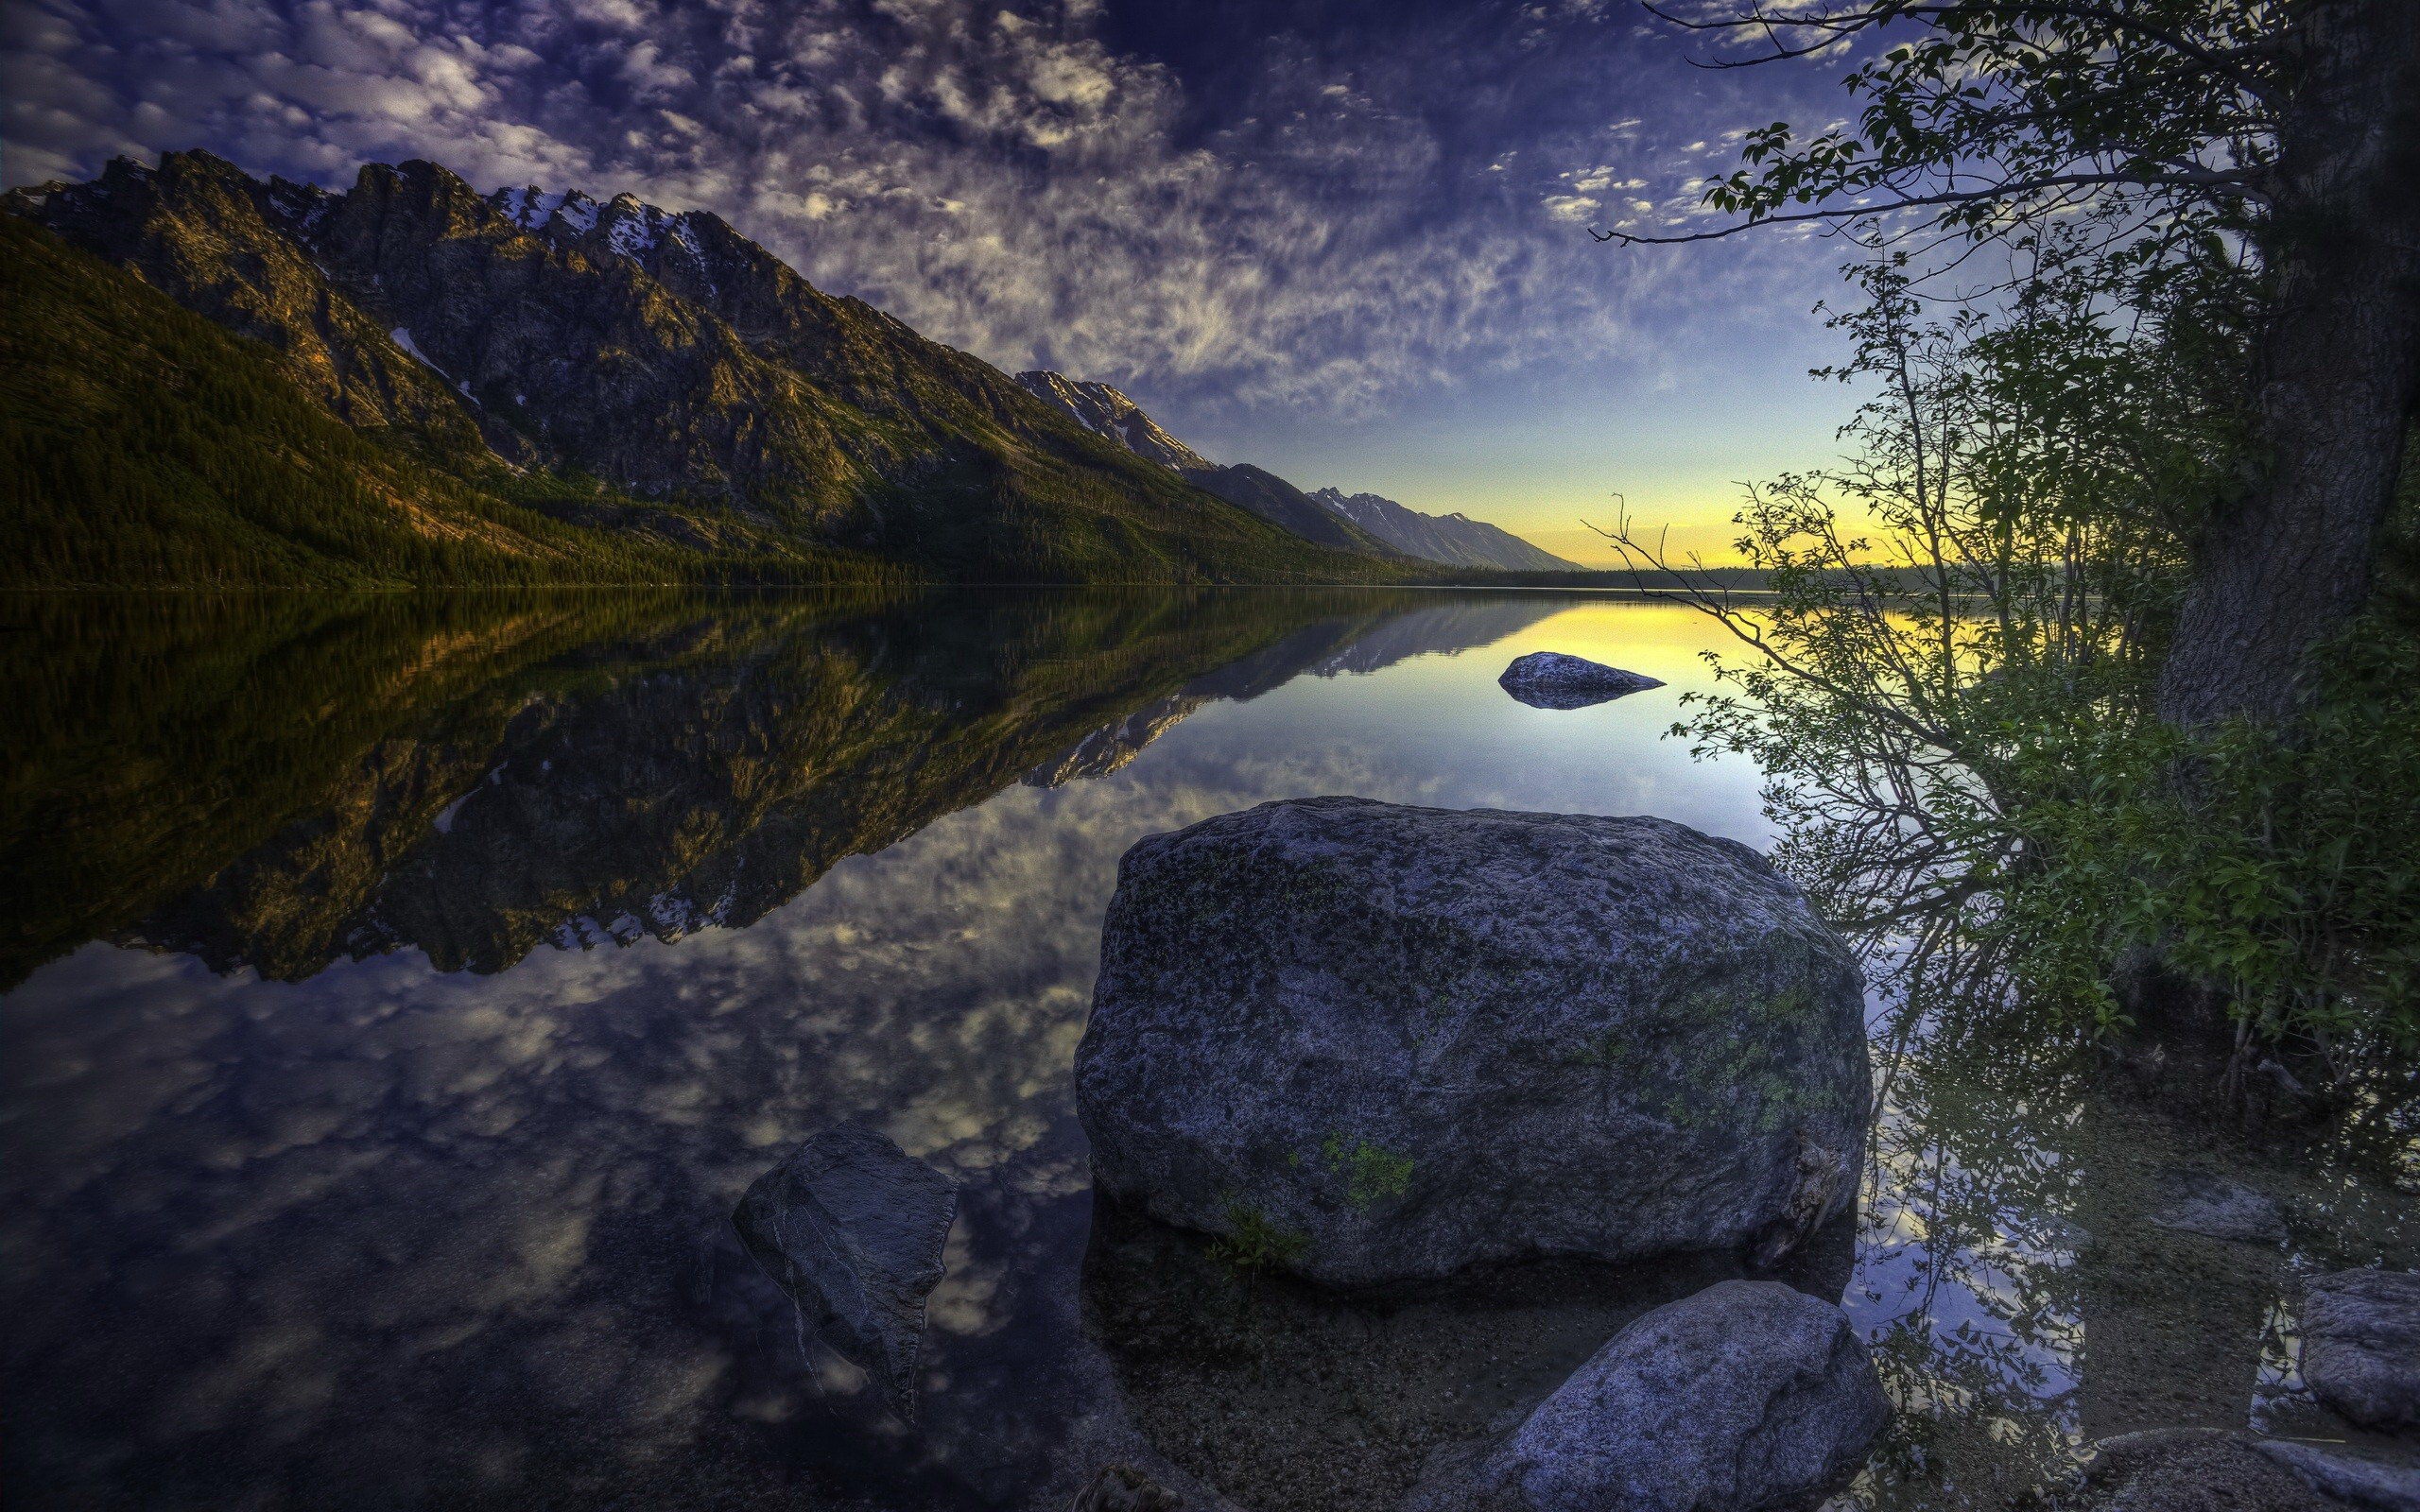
(1413, 1041)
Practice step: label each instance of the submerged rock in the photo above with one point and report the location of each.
(1293, 1396)
(1366, 1042)
(1748, 1395)
(2348, 1475)
(853, 1229)
(2188, 1469)
(2360, 1344)
(1551, 679)
(2218, 1207)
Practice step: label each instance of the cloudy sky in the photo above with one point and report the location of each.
(1345, 239)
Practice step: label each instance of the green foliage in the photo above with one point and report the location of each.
(1988, 574)
(1952, 706)
(1255, 1241)
(1371, 1173)
(2286, 874)
(1950, 688)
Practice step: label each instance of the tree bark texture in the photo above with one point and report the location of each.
(2290, 563)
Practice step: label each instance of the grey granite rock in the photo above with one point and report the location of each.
(1748, 1395)
(1366, 1042)
(2360, 1344)
(853, 1228)
(1551, 679)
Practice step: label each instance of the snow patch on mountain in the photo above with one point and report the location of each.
(625, 225)
(531, 208)
(401, 337)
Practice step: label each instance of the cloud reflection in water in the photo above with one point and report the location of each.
(423, 1196)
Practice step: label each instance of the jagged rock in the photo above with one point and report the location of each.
(1368, 1042)
(853, 1229)
(220, 243)
(1551, 679)
(2349, 1475)
(1748, 1395)
(2062, 1233)
(2218, 1207)
(2360, 1344)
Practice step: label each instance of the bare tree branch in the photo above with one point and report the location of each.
(2237, 182)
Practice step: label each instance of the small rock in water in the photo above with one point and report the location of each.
(2360, 1344)
(2218, 1207)
(1551, 679)
(1747, 1395)
(853, 1228)
(1366, 1042)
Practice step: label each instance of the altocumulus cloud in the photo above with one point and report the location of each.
(1273, 205)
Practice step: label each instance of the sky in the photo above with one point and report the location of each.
(1346, 240)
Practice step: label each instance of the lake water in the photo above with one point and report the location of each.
(401, 992)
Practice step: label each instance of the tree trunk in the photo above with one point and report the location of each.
(2339, 364)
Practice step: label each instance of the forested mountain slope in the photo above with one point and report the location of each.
(606, 390)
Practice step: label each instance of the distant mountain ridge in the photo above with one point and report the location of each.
(1355, 521)
(538, 385)
(1281, 504)
(1453, 537)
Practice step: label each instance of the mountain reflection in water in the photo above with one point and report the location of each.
(404, 989)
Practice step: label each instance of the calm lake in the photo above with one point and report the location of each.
(400, 993)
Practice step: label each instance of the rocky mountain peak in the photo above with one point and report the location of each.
(625, 225)
(236, 249)
(534, 208)
(1100, 408)
(300, 205)
(663, 357)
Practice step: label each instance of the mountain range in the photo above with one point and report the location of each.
(410, 381)
(1330, 517)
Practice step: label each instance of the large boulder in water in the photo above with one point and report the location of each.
(1554, 680)
(1747, 1395)
(853, 1229)
(1366, 1042)
(2360, 1344)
